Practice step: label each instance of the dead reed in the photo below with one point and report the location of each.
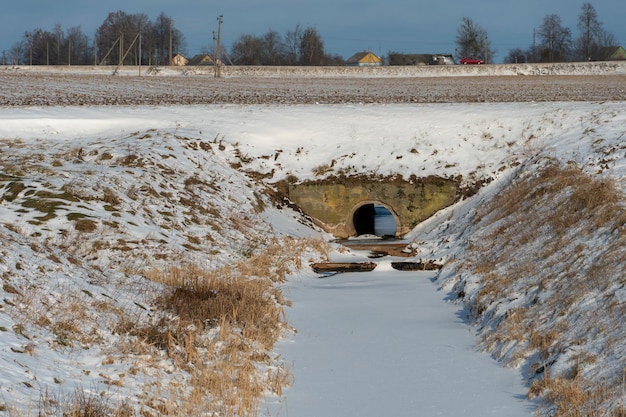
(553, 243)
(226, 323)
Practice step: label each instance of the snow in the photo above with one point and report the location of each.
(378, 343)
(432, 139)
(387, 342)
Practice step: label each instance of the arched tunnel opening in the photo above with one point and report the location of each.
(374, 219)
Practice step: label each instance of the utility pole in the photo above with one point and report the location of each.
(214, 47)
(218, 59)
(30, 46)
(170, 60)
(534, 47)
(140, 50)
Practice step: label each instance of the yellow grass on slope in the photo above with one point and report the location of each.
(551, 251)
(226, 323)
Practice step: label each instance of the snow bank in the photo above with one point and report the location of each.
(228, 71)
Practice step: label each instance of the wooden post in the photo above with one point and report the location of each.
(218, 59)
(139, 50)
(170, 60)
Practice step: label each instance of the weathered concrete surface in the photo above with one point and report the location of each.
(333, 203)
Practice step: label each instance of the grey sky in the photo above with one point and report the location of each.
(346, 26)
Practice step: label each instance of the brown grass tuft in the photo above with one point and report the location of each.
(83, 404)
(573, 397)
(85, 225)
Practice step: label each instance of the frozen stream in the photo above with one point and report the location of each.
(386, 343)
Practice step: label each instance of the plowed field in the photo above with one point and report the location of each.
(49, 88)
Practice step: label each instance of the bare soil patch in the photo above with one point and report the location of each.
(41, 88)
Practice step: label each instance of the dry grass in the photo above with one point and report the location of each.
(220, 326)
(82, 404)
(575, 397)
(216, 327)
(539, 247)
(85, 225)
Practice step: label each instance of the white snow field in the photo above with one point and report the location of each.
(364, 344)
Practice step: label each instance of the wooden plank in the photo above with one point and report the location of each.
(416, 266)
(343, 266)
(381, 249)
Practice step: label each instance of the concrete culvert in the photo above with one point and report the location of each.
(374, 219)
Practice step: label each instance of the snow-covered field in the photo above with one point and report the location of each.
(39, 86)
(134, 187)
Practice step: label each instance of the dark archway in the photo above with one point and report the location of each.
(374, 219)
(364, 220)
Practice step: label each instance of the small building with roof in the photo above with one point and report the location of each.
(364, 59)
(201, 59)
(179, 60)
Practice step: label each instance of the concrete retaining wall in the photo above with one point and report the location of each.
(333, 204)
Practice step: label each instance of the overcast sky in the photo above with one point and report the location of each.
(345, 26)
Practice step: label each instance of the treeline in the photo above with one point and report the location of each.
(554, 42)
(298, 47)
(131, 39)
(122, 38)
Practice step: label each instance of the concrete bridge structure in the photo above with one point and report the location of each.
(345, 206)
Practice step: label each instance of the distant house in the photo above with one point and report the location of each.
(179, 60)
(201, 59)
(610, 53)
(364, 59)
(396, 58)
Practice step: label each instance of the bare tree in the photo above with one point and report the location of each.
(118, 36)
(274, 48)
(518, 56)
(16, 54)
(120, 30)
(59, 40)
(78, 46)
(555, 39)
(311, 48)
(607, 39)
(42, 44)
(472, 41)
(156, 38)
(590, 28)
(592, 34)
(268, 49)
(57, 48)
(293, 42)
(248, 50)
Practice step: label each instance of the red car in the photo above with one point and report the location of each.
(472, 61)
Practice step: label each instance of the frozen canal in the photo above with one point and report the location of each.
(386, 343)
